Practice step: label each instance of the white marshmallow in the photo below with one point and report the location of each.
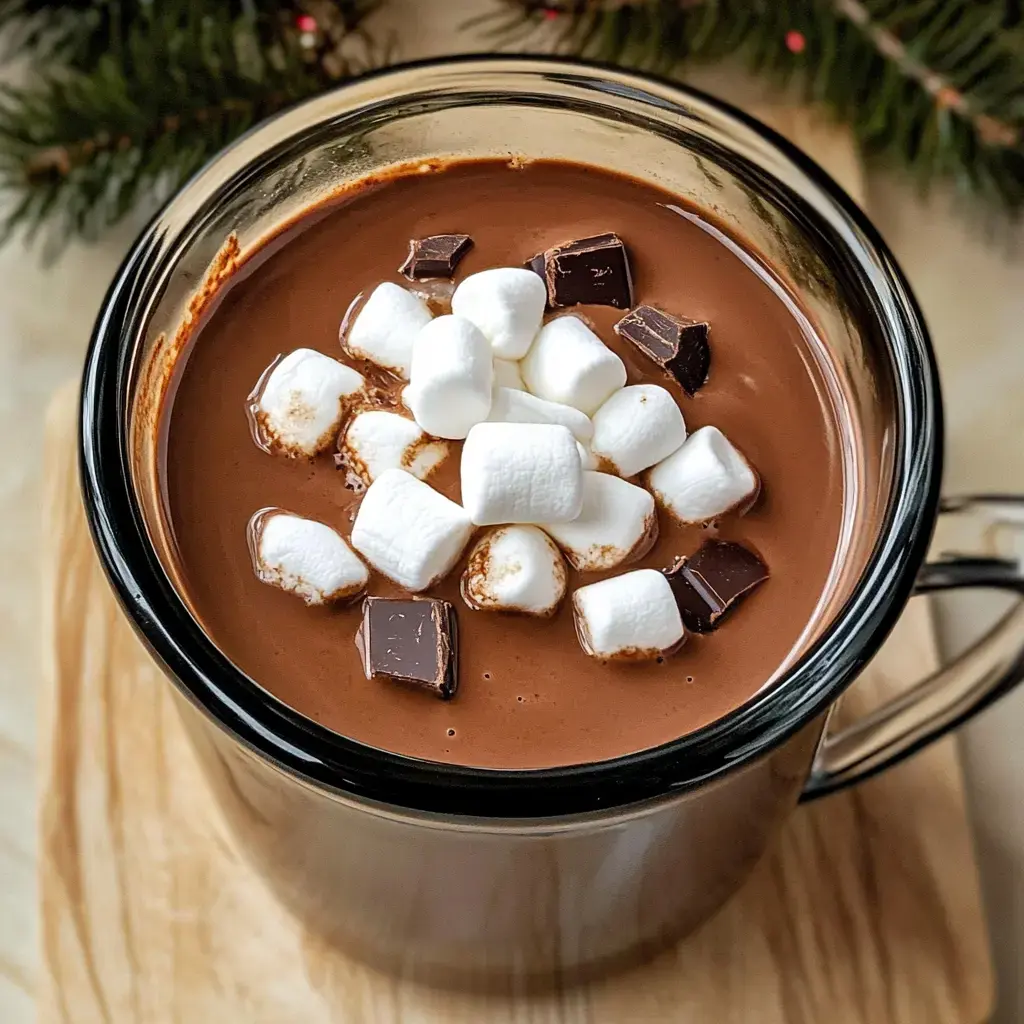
(300, 403)
(569, 363)
(450, 384)
(630, 617)
(618, 523)
(521, 473)
(408, 531)
(637, 427)
(384, 329)
(704, 479)
(516, 569)
(507, 304)
(376, 440)
(587, 460)
(511, 406)
(304, 557)
(507, 375)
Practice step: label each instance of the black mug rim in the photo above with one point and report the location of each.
(301, 747)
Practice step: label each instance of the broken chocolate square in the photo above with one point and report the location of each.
(592, 271)
(707, 585)
(412, 641)
(436, 256)
(676, 343)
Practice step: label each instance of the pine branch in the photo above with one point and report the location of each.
(79, 146)
(933, 85)
(79, 32)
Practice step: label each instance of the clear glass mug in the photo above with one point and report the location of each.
(466, 875)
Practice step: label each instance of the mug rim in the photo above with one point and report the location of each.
(317, 755)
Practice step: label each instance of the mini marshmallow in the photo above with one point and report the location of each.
(452, 373)
(630, 617)
(511, 406)
(408, 531)
(376, 440)
(618, 523)
(300, 404)
(704, 479)
(521, 473)
(637, 427)
(384, 329)
(569, 363)
(304, 557)
(587, 460)
(507, 375)
(515, 569)
(507, 304)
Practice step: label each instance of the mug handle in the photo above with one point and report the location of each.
(992, 666)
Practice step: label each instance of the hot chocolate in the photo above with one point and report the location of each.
(636, 288)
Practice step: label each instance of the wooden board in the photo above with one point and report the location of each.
(866, 912)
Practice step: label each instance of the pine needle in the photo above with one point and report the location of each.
(85, 138)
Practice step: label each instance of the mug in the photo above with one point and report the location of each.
(478, 876)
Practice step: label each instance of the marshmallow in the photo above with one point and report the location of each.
(304, 557)
(637, 427)
(630, 617)
(587, 460)
(618, 524)
(408, 531)
(515, 569)
(511, 406)
(507, 375)
(450, 384)
(521, 473)
(569, 363)
(384, 328)
(507, 304)
(299, 405)
(704, 479)
(376, 440)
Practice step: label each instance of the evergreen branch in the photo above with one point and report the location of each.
(63, 31)
(79, 147)
(935, 85)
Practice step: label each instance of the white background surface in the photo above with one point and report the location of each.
(970, 285)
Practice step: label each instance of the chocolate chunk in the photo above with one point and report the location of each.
(676, 343)
(708, 584)
(436, 256)
(590, 270)
(537, 264)
(413, 641)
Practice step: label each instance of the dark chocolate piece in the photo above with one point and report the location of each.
(538, 264)
(436, 256)
(707, 585)
(593, 271)
(413, 641)
(676, 343)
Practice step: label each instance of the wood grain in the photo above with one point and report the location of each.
(866, 912)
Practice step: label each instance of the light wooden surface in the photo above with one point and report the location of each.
(867, 911)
